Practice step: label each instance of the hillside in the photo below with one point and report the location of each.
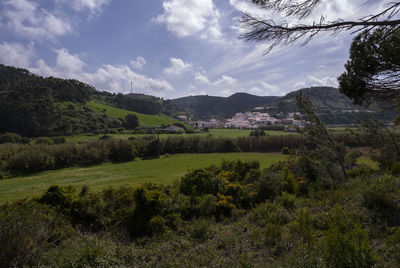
(145, 120)
(211, 106)
(32, 106)
(334, 107)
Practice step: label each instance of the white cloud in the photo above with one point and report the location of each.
(139, 63)
(16, 54)
(68, 63)
(108, 77)
(118, 78)
(201, 79)
(177, 67)
(91, 5)
(322, 81)
(191, 18)
(225, 80)
(25, 19)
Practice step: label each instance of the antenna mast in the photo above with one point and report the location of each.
(131, 87)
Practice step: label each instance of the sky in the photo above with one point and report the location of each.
(170, 48)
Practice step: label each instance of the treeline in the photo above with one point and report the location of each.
(232, 214)
(47, 154)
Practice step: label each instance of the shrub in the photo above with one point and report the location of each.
(361, 171)
(121, 151)
(26, 230)
(31, 161)
(395, 168)
(58, 140)
(199, 230)
(10, 138)
(44, 141)
(200, 182)
(349, 249)
(267, 186)
(148, 205)
(285, 150)
(288, 200)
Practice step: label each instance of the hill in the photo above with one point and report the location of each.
(333, 106)
(145, 120)
(211, 106)
(32, 106)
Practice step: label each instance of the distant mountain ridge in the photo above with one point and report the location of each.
(333, 106)
(204, 106)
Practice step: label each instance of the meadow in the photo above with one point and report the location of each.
(144, 119)
(164, 170)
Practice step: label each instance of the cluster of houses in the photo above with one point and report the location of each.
(249, 120)
(258, 120)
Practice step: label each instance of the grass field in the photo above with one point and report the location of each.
(232, 133)
(164, 170)
(144, 119)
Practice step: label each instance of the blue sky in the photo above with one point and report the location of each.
(168, 48)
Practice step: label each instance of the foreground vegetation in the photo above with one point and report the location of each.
(164, 170)
(232, 214)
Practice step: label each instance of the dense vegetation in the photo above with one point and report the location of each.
(209, 106)
(293, 214)
(34, 106)
(18, 156)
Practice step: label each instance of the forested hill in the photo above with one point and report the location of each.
(333, 106)
(220, 107)
(32, 106)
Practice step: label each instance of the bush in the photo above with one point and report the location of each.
(27, 230)
(199, 230)
(395, 170)
(200, 182)
(10, 138)
(30, 161)
(145, 217)
(285, 150)
(44, 141)
(349, 249)
(58, 140)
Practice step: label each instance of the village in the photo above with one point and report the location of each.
(249, 120)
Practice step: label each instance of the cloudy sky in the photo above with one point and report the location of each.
(168, 48)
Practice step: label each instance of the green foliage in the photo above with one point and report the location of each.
(28, 229)
(373, 65)
(145, 218)
(395, 170)
(285, 150)
(131, 121)
(348, 249)
(44, 141)
(257, 133)
(199, 182)
(10, 138)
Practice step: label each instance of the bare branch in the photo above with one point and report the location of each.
(275, 33)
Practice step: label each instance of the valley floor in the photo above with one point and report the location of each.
(164, 170)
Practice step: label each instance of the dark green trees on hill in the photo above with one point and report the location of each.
(29, 111)
(32, 106)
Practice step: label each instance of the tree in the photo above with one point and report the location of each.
(282, 33)
(327, 148)
(373, 70)
(131, 121)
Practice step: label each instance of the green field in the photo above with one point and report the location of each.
(164, 170)
(144, 119)
(232, 133)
